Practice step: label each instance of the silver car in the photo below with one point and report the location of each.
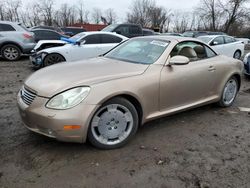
(15, 40)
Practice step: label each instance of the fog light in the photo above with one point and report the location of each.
(71, 127)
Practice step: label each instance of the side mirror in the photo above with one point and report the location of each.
(78, 43)
(119, 32)
(179, 60)
(214, 43)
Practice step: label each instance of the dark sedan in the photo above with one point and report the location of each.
(46, 34)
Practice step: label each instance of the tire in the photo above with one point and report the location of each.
(11, 52)
(229, 92)
(237, 54)
(52, 59)
(110, 128)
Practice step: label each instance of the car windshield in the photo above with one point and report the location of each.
(140, 50)
(78, 36)
(110, 28)
(205, 39)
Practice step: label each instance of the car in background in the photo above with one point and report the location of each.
(127, 30)
(245, 40)
(172, 34)
(195, 34)
(148, 32)
(81, 46)
(57, 29)
(225, 45)
(246, 62)
(46, 34)
(71, 31)
(106, 99)
(15, 40)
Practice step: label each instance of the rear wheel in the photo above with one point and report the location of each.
(11, 52)
(229, 92)
(52, 59)
(113, 124)
(237, 54)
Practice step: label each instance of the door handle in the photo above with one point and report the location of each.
(211, 68)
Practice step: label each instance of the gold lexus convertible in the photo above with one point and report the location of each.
(106, 99)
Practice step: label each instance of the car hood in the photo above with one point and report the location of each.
(41, 42)
(57, 78)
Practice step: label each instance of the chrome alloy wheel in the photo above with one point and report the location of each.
(112, 124)
(230, 91)
(11, 53)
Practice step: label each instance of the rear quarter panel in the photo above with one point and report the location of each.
(226, 67)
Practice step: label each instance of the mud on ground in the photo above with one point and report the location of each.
(204, 147)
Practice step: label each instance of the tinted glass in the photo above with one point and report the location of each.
(123, 30)
(92, 39)
(110, 39)
(219, 40)
(6, 27)
(192, 50)
(229, 40)
(135, 30)
(51, 34)
(141, 50)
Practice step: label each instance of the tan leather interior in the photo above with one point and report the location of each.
(200, 51)
(189, 53)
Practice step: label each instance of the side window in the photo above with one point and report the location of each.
(105, 38)
(6, 27)
(217, 41)
(229, 40)
(92, 39)
(123, 30)
(192, 50)
(51, 34)
(210, 53)
(135, 30)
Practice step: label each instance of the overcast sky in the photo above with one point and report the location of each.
(121, 7)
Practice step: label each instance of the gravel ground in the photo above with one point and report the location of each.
(204, 147)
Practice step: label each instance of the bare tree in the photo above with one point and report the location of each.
(80, 9)
(234, 10)
(96, 15)
(140, 12)
(110, 16)
(46, 8)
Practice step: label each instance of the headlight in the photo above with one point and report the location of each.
(246, 58)
(68, 99)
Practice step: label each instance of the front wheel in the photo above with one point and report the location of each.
(113, 124)
(52, 59)
(237, 55)
(229, 92)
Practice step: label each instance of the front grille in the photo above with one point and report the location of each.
(27, 96)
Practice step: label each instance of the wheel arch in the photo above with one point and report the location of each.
(10, 43)
(51, 53)
(132, 99)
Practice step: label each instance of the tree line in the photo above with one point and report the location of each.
(229, 16)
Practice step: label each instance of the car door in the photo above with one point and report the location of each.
(182, 86)
(89, 47)
(108, 42)
(218, 45)
(230, 46)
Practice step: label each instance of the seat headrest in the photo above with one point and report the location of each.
(199, 49)
(188, 52)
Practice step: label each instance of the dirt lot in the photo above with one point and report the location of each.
(205, 147)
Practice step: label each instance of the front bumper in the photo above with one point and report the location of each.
(49, 122)
(37, 59)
